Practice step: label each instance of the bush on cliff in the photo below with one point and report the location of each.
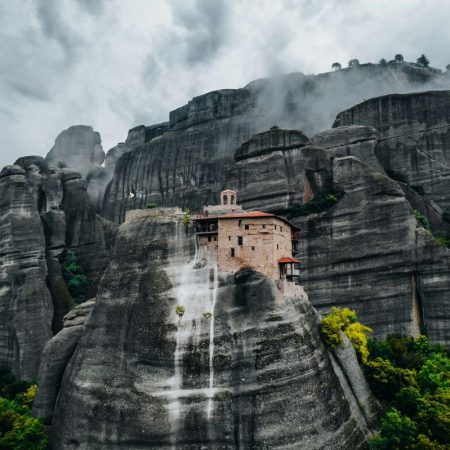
(318, 204)
(18, 429)
(410, 376)
(344, 320)
(76, 280)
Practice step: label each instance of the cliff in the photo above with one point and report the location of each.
(243, 368)
(44, 212)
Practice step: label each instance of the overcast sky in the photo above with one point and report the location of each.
(115, 64)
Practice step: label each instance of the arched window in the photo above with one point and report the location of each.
(225, 199)
(233, 200)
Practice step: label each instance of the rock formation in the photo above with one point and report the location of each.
(243, 368)
(187, 165)
(413, 146)
(78, 148)
(369, 253)
(25, 304)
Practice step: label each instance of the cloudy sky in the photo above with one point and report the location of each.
(114, 64)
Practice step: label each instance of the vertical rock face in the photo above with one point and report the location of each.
(368, 253)
(269, 172)
(243, 368)
(25, 303)
(78, 148)
(413, 146)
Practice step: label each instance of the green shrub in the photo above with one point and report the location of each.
(422, 220)
(443, 241)
(344, 320)
(152, 205)
(320, 203)
(18, 429)
(186, 219)
(412, 378)
(77, 282)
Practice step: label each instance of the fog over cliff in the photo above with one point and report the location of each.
(113, 64)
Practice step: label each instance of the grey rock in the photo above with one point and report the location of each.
(368, 253)
(25, 304)
(187, 165)
(78, 148)
(413, 146)
(55, 357)
(140, 377)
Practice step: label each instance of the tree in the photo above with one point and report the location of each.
(423, 61)
(399, 58)
(447, 67)
(382, 62)
(336, 66)
(353, 63)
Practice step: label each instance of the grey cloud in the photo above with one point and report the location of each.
(205, 26)
(94, 7)
(54, 26)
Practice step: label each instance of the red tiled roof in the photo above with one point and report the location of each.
(288, 259)
(244, 215)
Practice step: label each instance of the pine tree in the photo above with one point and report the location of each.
(423, 61)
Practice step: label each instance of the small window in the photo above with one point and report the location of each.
(229, 238)
(240, 223)
(253, 248)
(232, 252)
(215, 238)
(275, 227)
(281, 228)
(209, 238)
(263, 226)
(247, 227)
(240, 239)
(278, 247)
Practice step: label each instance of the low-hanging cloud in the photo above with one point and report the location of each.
(114, 64)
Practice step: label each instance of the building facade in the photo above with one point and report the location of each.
(257, 240)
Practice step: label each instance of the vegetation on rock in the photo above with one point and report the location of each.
(320, 203)
(344, 321)
(410, 376)
(186, 219)
(423, 61)
(180, 310)
(76, 280)
(18, 429)
(151, 206)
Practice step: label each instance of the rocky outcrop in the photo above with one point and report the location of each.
(368, 252)
(187, 165)
(413, 146)
(269, 173)
(99, 177)
(77, 148)
(55, 357)
(25, 304)
(243, 368)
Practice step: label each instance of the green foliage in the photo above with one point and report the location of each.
(422, 220)
(423, 61)
(18, 429)
(412, 377)
(344, 320)
(397, 432)
(318, 204)
(76, 281)
(443, 241)
(151, 206)
(399, 58)
(186, 219)
(180, 310)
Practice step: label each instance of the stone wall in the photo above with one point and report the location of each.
(261, 248)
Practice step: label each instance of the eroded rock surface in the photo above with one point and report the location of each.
(369, 253)
(413, 146)
(243, 368)
(55, 357)
(26, 308)
(77, 148)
